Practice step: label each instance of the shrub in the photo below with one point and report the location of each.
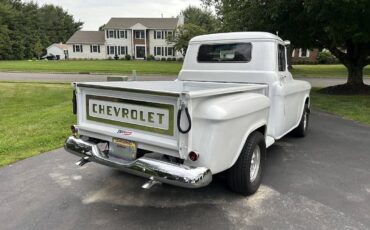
(128, 57)
(173, 59)
(326, 57)
(163, 59)
(110, 58)
(180, 59)
(150, 58)
(169, 59)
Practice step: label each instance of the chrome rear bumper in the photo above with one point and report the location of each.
(169, 173)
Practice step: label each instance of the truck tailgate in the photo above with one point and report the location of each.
(143, 112)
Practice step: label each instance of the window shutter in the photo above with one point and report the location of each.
(107, 33)
(162, 51)
(162, 34)
(74, 48)
(91, 50)
(81, 49)
(119, 50)
(115, 50)
(155, 34)
(108, 50)
(155, 51)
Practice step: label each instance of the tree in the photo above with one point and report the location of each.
(25, 28)
(340, 26)
(101, 28)
(197, 21)
(201, 17)
(38, 49)
(182, 36)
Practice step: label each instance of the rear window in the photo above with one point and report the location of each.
(231, 52)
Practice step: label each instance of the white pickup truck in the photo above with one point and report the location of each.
(233, 98)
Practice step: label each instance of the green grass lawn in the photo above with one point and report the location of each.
(95, 66)
(323, 71)
(34, 118)
(149, 67)
(355, 108)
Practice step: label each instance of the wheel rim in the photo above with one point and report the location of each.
(255, 163)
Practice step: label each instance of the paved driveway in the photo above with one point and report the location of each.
(319, 182)
(57, 77)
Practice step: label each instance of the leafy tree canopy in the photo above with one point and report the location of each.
(341, 26)
(27, 28)
(197, 21)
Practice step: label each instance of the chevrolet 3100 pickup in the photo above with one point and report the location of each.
(233, 98)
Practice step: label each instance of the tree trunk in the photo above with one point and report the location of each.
(355, 75)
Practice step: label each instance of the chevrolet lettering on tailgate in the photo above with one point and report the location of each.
(146, 116)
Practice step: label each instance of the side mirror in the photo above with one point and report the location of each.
(286, 43)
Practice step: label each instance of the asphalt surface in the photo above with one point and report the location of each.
(66, 78)
(318, 182)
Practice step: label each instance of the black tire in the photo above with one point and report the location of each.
(238, 177)
(301, 129)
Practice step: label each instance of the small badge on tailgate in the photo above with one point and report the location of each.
(124, 132)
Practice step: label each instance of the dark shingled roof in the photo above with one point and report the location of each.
(151, 23)
(87, 37)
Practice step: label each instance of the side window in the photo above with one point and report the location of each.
(281, 58)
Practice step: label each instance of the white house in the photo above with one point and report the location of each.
(137, 37)
(87, 45)
(59, 50)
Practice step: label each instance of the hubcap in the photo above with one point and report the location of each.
(255, 163)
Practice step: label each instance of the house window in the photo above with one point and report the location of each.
(77, 49)
(123, 50)
(111, 34)
(158, 52)
(169, 33)
(159, 34)
(139, 34)
(111, 50)
(123, 34)
(94, 48)
(170, 51)
(281, 58)
(304, 53)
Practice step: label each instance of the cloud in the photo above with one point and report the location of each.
(95, 13)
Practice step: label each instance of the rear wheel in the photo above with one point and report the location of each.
(246, 175)
(301, 129)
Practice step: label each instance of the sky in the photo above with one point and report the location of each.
(95, 13)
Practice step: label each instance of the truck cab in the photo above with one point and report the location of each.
(234, 97)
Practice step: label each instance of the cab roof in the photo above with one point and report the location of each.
(234, 36)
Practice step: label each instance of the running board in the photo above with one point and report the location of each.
(269, 141)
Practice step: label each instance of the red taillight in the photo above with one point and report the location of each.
(193, 156)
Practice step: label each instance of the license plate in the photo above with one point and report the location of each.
(123, 148)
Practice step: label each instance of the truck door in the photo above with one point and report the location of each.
(291, 100)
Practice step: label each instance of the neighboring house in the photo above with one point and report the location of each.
(137, 37)
(87, 45)
(59, 50)
(304, 55)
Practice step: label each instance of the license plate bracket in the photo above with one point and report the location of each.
(123, 149)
